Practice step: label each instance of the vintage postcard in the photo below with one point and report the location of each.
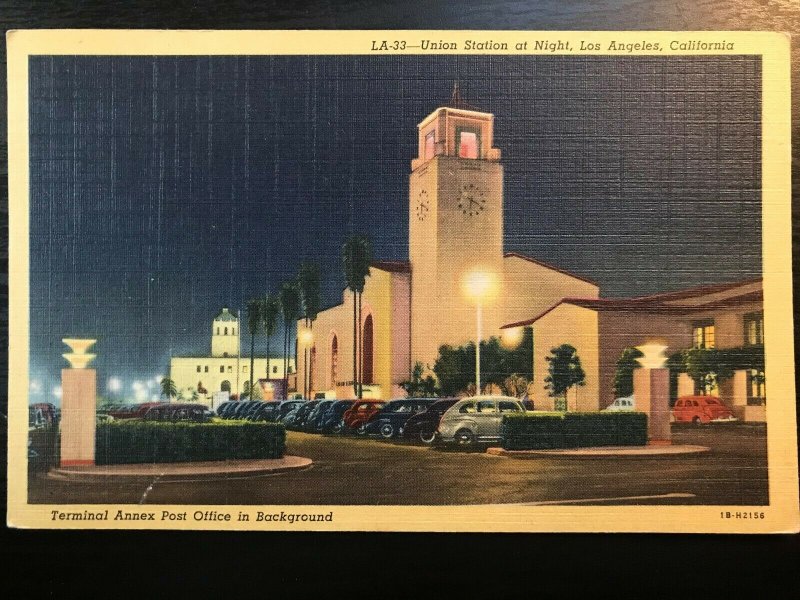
(401, 281)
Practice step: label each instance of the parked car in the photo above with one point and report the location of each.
(388, 422)
(357, 416)
(314, 419)
(627, 403)
(286, 407)
(422, 426)
(266, 411)
(225, 408)
(476, 419)
(333, 419)
(172, 412)
(296, 419)
(134, 411)
(701, 409)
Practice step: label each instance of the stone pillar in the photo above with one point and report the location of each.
(651, 391)
(78, 406)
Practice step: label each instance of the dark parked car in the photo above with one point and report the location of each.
(196, 413)
(422, 426)
(315, 416)
(286, 407)
(333, 420)
(388, 422)
(296, 419)
(266, 411)
(224, 409)
(240, 412)
(134, 411)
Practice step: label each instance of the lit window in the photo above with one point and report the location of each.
(703, 334)
(244, 369)
(230, 369)
(754, 329)
(756, 388)
(430, 144)
(467, 144)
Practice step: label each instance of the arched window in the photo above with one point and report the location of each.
(225, 386)
(226, 331)
(367, 351)
(334, 360)
(233, 331)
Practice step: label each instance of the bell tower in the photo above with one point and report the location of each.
(225, 334)
(455, 226)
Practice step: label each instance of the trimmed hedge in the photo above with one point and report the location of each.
(135, 441)
(573, 430)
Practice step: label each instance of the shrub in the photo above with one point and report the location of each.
(573, 430)
(135, 441)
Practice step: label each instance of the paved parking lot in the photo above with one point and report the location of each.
(351, 470)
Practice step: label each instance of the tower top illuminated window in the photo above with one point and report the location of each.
(456, 130)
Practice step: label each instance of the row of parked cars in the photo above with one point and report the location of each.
(448, 420)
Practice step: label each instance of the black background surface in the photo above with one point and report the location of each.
(295, 565)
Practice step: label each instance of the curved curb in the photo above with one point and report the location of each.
(626, 452)
(209, 470)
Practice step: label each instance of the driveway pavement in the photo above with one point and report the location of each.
(349, 470)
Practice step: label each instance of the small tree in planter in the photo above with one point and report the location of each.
(623, 376)
(565, 371)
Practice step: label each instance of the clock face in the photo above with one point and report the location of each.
(472, 200)
(423, 205)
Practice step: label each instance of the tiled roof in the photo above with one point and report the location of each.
(226, 315)
(657, 303)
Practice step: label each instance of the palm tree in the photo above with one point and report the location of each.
(290, 307)
(168, 388)
(308, 280)
(356, 258)
(253, 325)
(270, 308)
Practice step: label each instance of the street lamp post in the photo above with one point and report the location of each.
(479, 286)
(307, 339)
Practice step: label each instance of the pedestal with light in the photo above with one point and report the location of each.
(78, 405)
(651, 392)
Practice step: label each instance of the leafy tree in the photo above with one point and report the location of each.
(623, 376)
(565, 371)
(253, 325)
(707, 367)
(256, 391)
(168, 389)
(308, 280)
(356, 259)
(290, 308)
(420, 385)
(194, 396)
(515, 385)
(270, 309)
(455, 366)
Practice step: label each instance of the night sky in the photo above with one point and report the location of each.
(164, 188)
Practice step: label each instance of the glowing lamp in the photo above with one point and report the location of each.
(653, 356)
(512, 337)
(78, 358)
(480, 285)
(306, 337)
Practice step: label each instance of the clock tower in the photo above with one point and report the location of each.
(455, 227)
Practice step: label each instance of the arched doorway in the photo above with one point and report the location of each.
(334, 361)
(226, 386)
(367, 352)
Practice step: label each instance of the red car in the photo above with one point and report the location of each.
(701, 409)
(356, 416)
